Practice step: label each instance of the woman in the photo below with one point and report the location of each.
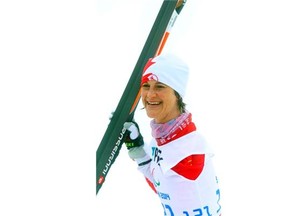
(178, 162)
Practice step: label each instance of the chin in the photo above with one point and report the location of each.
(150, 114)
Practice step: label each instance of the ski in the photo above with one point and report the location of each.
(111, 143)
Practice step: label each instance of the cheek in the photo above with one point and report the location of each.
(143, 94)
(171, 102)
(142, 98)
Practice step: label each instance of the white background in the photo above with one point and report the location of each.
(63, 68)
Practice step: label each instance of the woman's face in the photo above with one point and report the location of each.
(159, 101)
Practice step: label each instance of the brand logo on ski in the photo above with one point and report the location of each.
(101, 180)
(114, 152)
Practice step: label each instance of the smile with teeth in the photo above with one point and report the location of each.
(153, 103)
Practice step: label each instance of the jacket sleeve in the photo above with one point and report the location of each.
(144, 167)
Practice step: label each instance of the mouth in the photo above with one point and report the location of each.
(153, 103)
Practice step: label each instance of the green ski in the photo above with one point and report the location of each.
(112, 140)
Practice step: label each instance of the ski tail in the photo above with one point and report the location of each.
(111, 143)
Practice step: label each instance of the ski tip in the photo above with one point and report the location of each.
(179, 6)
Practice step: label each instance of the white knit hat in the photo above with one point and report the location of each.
(168, 69)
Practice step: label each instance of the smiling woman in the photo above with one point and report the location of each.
(160, 87)
(178, 162)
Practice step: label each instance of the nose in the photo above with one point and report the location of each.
(151, 92)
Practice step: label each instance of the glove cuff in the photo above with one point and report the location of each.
(137, 153)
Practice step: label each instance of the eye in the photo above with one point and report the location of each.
(160, 86)
(145, 86)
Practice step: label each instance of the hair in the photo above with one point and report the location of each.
(181, 104)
